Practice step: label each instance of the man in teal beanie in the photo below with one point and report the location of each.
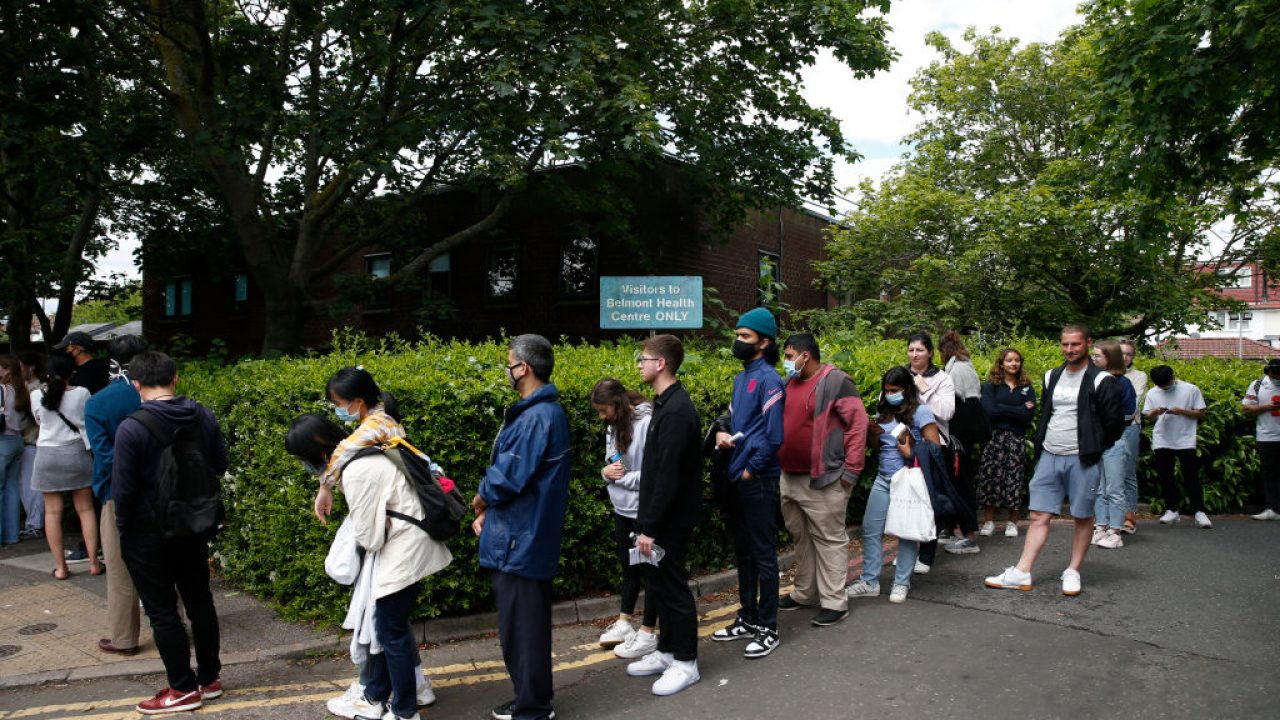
(755, 423)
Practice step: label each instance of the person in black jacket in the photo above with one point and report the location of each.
(1081, 417)
(670, 506)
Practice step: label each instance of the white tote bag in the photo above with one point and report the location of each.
(343, 561)
(910, 514)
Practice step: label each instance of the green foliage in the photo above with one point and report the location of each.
(453, 394)
(123, 307)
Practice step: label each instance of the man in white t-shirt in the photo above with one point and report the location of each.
(1262, 401)
(1177, 408)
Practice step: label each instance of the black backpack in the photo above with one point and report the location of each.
(444, 510)
(188, 492)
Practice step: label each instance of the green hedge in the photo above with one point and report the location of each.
(452, 395)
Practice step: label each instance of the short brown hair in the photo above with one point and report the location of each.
(668, 347)
(1078, 328)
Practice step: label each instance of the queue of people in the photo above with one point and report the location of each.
(793, 445)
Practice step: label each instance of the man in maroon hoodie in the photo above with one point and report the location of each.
(162, 568)
(822, 454)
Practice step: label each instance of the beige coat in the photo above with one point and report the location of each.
(373, 485)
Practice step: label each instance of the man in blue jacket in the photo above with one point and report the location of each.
(755, 435)
(102, 415)
(520, 509)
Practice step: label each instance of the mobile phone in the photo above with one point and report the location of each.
(736, 437)
(615, 457)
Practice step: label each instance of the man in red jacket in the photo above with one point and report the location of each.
(823, 450)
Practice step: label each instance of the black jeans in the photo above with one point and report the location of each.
(1269, 458)
(390, 674)
(1190, 465)
(671, 599)
(755, 540)
(633, 576)
(524, 628)
(163, 569)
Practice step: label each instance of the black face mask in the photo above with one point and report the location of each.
(744, 351)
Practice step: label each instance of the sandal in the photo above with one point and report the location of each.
(1130, 527)
(62, 577)
(97, 568)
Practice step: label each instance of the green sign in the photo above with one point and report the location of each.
(651, 302)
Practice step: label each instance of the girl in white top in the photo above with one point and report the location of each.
(63, 462)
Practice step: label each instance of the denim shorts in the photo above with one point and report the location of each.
(1059, 476)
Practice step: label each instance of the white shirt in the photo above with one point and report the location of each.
(54, 432)
(1267, 425)
(1174, 432)
(1138, 380)
(940, 398)
(1061, 437)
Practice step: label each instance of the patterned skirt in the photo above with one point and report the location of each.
(1002, 479)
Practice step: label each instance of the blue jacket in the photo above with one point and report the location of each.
(756, 411)
(102, 416)
(527, 488)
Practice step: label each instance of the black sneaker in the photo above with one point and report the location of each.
(764, 643)
(79, 555)
(786, 602)
(739, 630)
(827, 617)
(506, 711)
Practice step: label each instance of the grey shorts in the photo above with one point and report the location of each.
(1059, 476)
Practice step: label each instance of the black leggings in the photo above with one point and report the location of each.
(633, 576)
(1190, 465)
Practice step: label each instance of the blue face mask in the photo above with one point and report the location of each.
(345, 415)
(789, 367)
(894, 399)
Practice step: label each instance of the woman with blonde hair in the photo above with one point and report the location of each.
(1010, 402)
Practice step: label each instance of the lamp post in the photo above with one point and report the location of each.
(1241, 318)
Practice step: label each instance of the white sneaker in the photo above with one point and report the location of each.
(617, 633)
(1070, 582)
(862, 589)
(680, 675)
(426, 696)
(1098, 534)
(1202, 520)
(1011, 530)
(1267, 514)
(640, 643)
(1169, 517)
(1111, 540)
(898, 594)
(987, 528)
(1011, 579)
(352, 703)
(920, 568)
(391, 715)
(655, 663)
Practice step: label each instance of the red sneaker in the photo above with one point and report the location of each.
(212, 690)
(169, 700)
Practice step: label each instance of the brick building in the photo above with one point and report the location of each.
(537, 271)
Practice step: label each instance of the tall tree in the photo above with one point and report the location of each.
(302, 112)
(1003, 216)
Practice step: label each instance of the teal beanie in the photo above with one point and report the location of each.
(760, 320)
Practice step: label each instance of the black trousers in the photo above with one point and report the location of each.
(672, 599)
(633, 576)
(1190, 465)
(164, 569)
(524, 628)
(1269, 456)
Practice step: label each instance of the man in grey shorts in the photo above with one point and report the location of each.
(1081, 416)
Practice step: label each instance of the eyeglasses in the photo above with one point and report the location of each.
(641, 359)
(513, 367)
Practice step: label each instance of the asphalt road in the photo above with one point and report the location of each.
(1180, 623)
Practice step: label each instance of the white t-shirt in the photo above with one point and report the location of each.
(1138, 380)
(1267, 425)
(54, 432)
(1175, 432)
(1061, 437)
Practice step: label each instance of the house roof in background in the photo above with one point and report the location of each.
(1191, 348)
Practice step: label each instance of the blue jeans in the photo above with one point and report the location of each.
(10, 487)
(1132, 440)
(1108, 509)
(873, 539)
(756, 546)
(390, 674)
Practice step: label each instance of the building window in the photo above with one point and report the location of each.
(769, 278)
(177, 297)
(1236, 321)
(378, 267)
(1242, 277)
(500, 271)
(241, 295)
(438, 273)
(578, 266)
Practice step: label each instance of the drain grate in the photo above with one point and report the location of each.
(37, 629)
(8, 650)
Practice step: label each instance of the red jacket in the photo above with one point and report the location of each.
(839, 428)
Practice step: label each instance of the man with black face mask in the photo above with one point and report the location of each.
(756, 434)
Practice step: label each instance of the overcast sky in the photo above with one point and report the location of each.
(873, 113)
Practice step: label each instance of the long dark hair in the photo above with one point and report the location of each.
(312, 438)
(21, 399)
(614, 394)
(355, 383)
(57, 374)
(899, 376)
